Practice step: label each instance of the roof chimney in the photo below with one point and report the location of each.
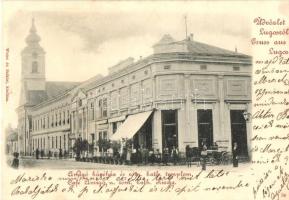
(236, 50)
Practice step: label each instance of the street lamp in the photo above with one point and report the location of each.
(195, 95)
(204, 104)
(183, 97)
(172, 101)
(247, 115)
(142, 95)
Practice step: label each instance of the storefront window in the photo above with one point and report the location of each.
(91, 113)
(104, 113)
(104, 135)
(170, 129)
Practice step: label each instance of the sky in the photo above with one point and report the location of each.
(84, 39)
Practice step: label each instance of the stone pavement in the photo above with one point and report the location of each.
(29, 162)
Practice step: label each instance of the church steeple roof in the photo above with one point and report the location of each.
(33, 38)
(33, 28)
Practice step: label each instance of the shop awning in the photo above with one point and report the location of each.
(131, 126)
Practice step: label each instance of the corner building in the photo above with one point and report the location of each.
(185, 93)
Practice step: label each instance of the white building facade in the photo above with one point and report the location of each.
(185, 93)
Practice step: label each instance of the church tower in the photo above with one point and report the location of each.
(33, 65)
(32, 87)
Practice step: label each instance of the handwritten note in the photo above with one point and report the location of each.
(265, 176)
(84, 183)
(268, 178)
(270, 119)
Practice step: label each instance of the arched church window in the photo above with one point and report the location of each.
(34, 67)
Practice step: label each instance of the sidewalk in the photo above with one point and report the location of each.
(56, 163)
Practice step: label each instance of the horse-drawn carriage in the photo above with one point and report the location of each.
(213, 156)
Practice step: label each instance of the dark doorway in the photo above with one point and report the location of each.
(205, 127)
(239, 131)
(114, 127)
(170, 129)
(143, 138)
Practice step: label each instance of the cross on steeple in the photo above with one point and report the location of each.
(186, 26)
(33, 28)
(32, 38)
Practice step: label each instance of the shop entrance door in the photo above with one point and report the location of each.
(169, 129)
(239, 131)
(205, 127)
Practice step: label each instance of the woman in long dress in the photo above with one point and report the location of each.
(188, 156)
(15, 162)
(204, 154)
(128, 154)
(235, 154)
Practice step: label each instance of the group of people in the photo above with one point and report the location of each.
(41, 154)
(169, 155)
(204, 154)
(142, 155)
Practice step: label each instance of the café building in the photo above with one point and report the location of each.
(185, 93)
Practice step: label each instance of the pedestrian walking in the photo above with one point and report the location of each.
(204, 154)
(174, 155)
(188, 156)
(123, 155)
(42, 153)
(235, 155)
(152, 156)
(65, 154)
(158, 158)
(128, 156)
(49, 154)
(166, 156)
(37, 153)
(139, 155)
(141, 151)
(117, 157)
(60, 153)
(145, 155)
(15, 162)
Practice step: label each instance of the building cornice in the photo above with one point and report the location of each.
(155, 58)
(160, 58)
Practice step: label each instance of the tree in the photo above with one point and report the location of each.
(84, 145)
(91, 147)
(80, 146)
(103, 145)
(115, 145)
(128, 143)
